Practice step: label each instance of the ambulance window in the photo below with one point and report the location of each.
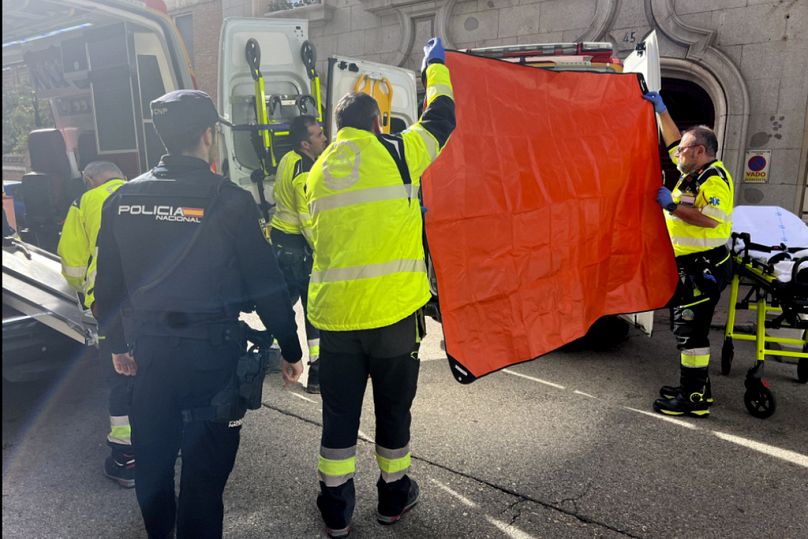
(151, 81)
(111, 80)
(114, 117)
(74, 55)
(185, 24)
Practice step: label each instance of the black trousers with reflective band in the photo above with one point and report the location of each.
(389, 356)
(696, 296)
(176, 374)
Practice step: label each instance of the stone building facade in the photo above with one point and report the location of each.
(745, 62)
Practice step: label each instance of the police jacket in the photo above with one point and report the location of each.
(369, 268)
(79, 233)
(182, 248)
(711, 191)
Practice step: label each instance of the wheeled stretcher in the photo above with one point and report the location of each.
(770, 277)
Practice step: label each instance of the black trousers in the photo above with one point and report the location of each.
(175, 374)
(295, 261)
(389, 356)
(702, 278)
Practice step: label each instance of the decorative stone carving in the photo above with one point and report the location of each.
(713, 69)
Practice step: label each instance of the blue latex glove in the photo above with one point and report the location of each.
(656, 99)
(664, 197)
(433, 52)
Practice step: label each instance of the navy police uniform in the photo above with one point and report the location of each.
(181, 253)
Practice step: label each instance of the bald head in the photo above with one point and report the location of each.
(100, 172)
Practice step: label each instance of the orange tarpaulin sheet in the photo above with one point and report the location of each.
(541, 211)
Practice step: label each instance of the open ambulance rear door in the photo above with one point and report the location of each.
(645, 60)
(393, 87)
(288, 91)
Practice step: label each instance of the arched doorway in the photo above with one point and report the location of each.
(689, 105)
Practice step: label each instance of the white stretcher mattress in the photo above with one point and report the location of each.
(772, 226)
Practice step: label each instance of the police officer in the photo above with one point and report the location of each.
(79, 265)
(368, 286)
(699, 219)
(181, 252)
(286, 229)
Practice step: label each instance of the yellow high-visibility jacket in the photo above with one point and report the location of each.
(285, 217)
(366, 222)
(712, 192)
(77, 244)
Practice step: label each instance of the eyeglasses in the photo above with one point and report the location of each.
(680, 149)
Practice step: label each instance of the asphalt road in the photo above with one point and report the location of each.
(563, 446)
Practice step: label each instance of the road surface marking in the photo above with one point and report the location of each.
(539, 380)
(304, 398)
(509, 529)
(463, 499)
(673, 420)
(784, 454)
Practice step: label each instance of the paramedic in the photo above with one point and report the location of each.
(698, 214)
(182, 252)
(286, 232)
(77, 252)
(368, 287)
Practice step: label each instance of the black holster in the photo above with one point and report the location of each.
(244, 389)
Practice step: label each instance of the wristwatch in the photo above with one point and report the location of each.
(672, 207)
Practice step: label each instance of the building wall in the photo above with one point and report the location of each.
(207, 21)
(751, 56)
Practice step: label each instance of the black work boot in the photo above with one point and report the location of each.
(691, 397)
(313, 385)
(670, 392)
(336, 506)
(395, 499)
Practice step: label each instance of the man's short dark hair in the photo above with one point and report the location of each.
(177, 143)
(299, 129)
(357, 110)
(706, 137)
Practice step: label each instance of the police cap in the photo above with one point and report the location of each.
(182, 111)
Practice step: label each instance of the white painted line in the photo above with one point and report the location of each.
(539, 380)
(669, 419)
(790, 456)
(299, 396)
(509, 529)
(463, 499)
(587, 395)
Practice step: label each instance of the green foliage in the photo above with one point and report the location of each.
(20, 111)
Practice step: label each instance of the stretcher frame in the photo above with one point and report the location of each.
(766, 295)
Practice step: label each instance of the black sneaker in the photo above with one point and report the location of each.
(121, 469)
(412, 499)
(313, 385)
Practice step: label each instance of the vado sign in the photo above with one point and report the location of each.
(757, 166)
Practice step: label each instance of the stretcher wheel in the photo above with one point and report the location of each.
(727, 354)
(759, 400)
(802, 370)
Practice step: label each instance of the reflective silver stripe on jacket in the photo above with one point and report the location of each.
(368, 271)
(712, 211)
(371, 194)
(74, 271)
(686, 241)
(435, 90)
(429, 140)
